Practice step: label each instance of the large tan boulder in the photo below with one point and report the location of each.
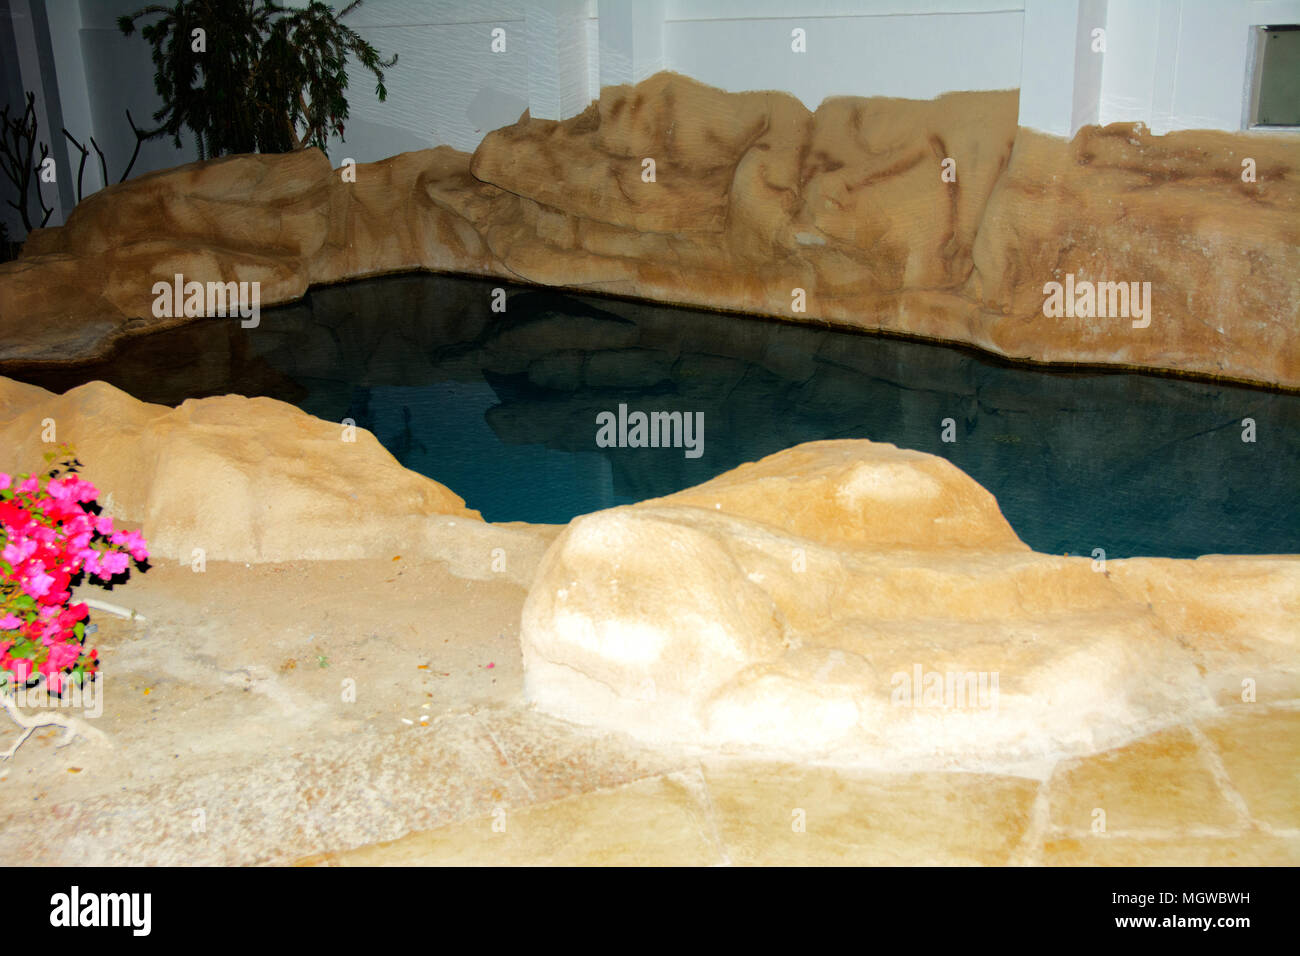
(860, 494)
(857, 603)
(242, 479)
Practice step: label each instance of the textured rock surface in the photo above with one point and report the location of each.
(235, 674)
(753, 196)
(804, 605)
(1163, 806)
(1222, 256)
(232, 712)
(242, 479)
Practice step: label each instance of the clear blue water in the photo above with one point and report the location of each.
(502, 408)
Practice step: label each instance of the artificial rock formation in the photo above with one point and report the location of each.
(856, 603)
(753, 196)
(800, 606)
(241, 479)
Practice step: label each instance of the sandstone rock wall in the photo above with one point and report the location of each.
(753, 196)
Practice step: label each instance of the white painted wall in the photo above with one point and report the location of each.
(630, 44)
(1183, 64)
(557, 58)
(1047, 65)
(911, 55)
(1173, 64)
(119, 77)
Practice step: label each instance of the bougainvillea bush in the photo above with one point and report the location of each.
(51, 534)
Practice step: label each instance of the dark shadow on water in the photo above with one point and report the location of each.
(502, 408)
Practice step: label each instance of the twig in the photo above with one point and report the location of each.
(81, 166)
(17, 146)
(140, 137)
(103, 165)
(72, 727)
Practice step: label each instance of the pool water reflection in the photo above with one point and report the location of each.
(503, 409)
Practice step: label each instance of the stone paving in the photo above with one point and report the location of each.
(230, 744)
(1224, 791)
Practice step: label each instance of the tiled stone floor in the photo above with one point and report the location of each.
(1225, 791)
(231, 745)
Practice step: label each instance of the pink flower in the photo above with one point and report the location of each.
(71, 488)
(21, 668)
(63, 656)
(47, 537)
(114, 562)
(17, 553)
(38, 584)
(95, 568)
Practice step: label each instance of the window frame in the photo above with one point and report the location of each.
(1254, 76)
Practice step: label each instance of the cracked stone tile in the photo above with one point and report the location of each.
(1260, 752)
(1161, 783)
(876, 819)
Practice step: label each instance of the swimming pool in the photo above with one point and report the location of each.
(506, 408)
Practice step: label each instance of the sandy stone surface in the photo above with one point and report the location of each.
(229, 699)
(381, 710)
(246, 479)
(753, 196)
(861, 605)
(1159, 802)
